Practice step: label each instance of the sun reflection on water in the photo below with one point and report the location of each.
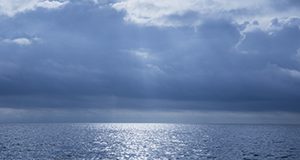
(148, 141)
(139, 141)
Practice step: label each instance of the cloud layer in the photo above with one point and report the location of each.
(13, 7)
(146, 55)
(193, 12)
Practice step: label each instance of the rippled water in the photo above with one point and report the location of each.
(148, 141)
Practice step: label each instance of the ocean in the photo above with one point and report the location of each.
(84, 141)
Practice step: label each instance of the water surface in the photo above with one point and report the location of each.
(148, 141)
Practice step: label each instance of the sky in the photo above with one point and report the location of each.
(192, 61)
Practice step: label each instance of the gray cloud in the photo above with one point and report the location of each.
(93, 59)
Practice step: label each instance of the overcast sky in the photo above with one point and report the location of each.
(150, 61)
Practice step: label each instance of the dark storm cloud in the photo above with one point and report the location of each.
(86, 56)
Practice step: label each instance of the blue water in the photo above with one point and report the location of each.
(148, 141)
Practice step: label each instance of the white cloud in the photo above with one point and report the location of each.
(152, 12)
(291, 72)
(141, 53)
(147, 59)
(20, 41)
(298, 55)
(12, 7)
(154, 68)
(174, 13)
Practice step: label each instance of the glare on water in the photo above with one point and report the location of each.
(148, 141)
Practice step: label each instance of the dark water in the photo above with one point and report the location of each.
(148, 141)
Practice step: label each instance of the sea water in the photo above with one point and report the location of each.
(148, 141)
